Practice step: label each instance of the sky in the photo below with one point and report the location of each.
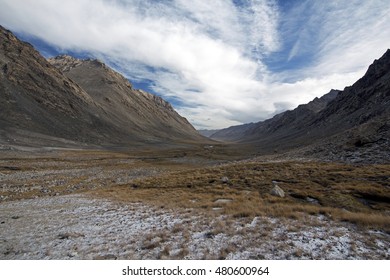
(220, 62)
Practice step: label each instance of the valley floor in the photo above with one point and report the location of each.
(189, 205)
(81, 227)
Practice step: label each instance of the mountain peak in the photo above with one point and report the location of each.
(65, 62)
(379, 68)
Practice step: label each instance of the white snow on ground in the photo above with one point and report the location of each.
(80, 227)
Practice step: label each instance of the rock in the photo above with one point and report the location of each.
(312, 200)
(225, 180)
(69, 235)
(254, 222)
(223, 200)
(72, 254)
(45, 190)
(106, 257)
(277, 191)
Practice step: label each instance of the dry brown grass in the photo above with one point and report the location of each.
(76, 171)
(357, 194)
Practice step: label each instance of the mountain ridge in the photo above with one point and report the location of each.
(83, 102)
(116, 96)
(295, 116)
(343, 122)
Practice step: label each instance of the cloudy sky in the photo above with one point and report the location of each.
(220, 62)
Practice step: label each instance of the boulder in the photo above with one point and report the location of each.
(225, 180)
(277, 191)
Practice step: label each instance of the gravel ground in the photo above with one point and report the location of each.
(77, 226)
(36, 177)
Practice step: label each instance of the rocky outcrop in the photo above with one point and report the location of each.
(65, 62)
(156, 99)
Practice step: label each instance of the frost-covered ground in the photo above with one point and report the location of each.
(81, 227)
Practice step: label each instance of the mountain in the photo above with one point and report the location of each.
(207, 132)
(136, 111)
(289, 122)
(72, 102)
(355, 121)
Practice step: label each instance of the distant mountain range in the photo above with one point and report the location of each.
(355, 121)
(67, 101)
(208, 132)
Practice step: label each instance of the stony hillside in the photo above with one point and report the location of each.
(284, 123)
(90, 104)
(135, 111)
(356, 119)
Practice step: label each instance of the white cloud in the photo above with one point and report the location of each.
(344, 36)
(210, 55)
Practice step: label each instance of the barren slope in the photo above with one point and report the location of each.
(36, 100)
(40, 106)
(357, 118)
(134, 111)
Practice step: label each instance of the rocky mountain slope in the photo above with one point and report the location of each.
(136, 111)
(81, 102)
(355, 119)
(284, 123)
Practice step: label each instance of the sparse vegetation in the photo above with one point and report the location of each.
(233, 200)
(353, 193)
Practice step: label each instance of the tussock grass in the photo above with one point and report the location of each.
(352, 193)
(358, 194)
